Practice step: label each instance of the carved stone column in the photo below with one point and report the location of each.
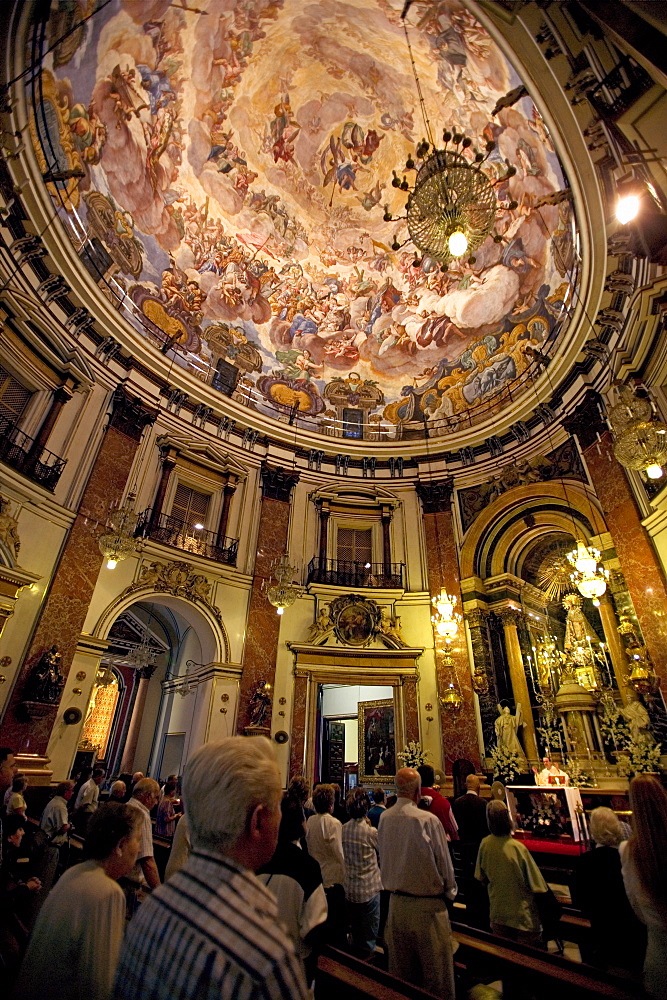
(60, 396)
(144, 675)
(386, 543)
(511, 619)
(459, 728)
(263, 628)
(614, 644)
(227, 494)
(325, 514)
(639, 561)
(64, 611)
(168, 463)
(478, 624)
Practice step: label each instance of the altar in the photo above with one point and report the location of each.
(550, 819)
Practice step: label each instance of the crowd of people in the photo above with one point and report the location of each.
(260, 880)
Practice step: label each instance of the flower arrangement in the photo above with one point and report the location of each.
(642, 757)
(506, 764)
(413, 755)
(579, 776)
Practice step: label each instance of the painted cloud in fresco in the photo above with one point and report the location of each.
(249, 150)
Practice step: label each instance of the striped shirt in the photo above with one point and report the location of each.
(362, 874)
(210, 933)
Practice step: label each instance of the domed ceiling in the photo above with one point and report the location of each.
(236, 163)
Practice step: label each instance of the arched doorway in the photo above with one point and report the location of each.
(167, 659)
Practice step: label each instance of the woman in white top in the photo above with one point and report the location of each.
(74, 947)
(644, 860)
(324, 837)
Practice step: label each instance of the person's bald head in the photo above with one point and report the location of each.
(408, 784)
(137, 776)
(473, 783)
(147, 791)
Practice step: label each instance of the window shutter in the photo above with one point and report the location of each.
(14, 397)
(190, 507)
(355, 545)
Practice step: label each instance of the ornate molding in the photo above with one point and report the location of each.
(178, 578)
(278, 484)
(436, 497)
(511, 616)
(129, 415)
(586, 422)
(476, 617)
(356, 621)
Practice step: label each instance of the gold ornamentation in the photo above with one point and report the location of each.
(9, 536)
(67, 190)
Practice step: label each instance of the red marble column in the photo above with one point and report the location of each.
(263, 629)
(144, 675)
(298, 734)
(411, 708)
(639, 561)
(459, 728)
(66, 605)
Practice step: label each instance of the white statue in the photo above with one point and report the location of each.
(638, 721)
(507, 726)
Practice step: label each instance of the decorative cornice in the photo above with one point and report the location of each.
(277, 484)
(586, 422)
(511, 616)
(436, 497)
(129, 415)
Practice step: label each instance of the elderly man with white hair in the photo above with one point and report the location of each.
(213, 930)
(417, 870)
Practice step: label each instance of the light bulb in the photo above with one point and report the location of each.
(654, 471)
(112, 563)
(198, 527)
(457, 243)
(280, 611)
(627, 208)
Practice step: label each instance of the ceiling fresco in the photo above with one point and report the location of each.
(235, 163)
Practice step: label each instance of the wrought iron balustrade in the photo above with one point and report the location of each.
(345, 573)
(17, 449)
(174, 531)
(619, 90)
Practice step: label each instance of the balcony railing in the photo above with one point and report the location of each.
(619, 90)
(343, 573)
(16, 450)
(175, 532)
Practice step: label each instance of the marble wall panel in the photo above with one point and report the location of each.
(64, 611)
(261, 642)
(459, 728)
(298, 733)
(639, 561)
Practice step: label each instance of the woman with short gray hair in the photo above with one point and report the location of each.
(617, 938)
(507, 867)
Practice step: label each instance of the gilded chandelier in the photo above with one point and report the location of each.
(281, 591)
(453, 206)
(640, 441)
(119, 543)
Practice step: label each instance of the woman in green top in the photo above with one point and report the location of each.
(513, 878)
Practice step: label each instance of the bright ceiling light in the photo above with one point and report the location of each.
(627, 208)
(457, 243)
(654, 471)
(198, 526)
